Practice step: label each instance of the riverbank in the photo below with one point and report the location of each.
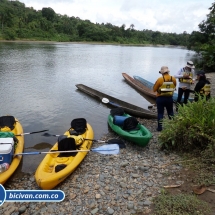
(92, 43)
(121, 184)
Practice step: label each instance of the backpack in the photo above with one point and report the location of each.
(130, 124)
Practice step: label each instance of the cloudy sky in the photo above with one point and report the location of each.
(172, 16)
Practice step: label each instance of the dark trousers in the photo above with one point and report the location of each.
(180, 94)
(164, 102)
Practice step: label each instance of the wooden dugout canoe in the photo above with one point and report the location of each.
(139, 86)
(128, 108)
(149, 85)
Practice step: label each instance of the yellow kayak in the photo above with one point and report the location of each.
(56, 167)
(19, 147)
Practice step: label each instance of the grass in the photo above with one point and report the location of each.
(180, 204)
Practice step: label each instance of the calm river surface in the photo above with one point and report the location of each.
(37, 84)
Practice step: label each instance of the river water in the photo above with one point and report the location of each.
(37, 84)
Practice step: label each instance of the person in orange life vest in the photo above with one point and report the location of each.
(186, 77)
(164, 86)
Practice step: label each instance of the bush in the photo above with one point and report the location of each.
(9, 34)
(192, 128)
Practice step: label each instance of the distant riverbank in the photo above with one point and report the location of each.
(93, 43)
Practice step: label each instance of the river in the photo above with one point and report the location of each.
(37, 83)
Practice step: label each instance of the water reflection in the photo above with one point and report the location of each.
(40, 146)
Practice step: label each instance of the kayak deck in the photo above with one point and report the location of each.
(46, 175)
(4, 176)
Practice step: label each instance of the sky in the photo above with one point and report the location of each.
(170, 16)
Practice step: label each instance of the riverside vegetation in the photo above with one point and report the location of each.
(191, 134)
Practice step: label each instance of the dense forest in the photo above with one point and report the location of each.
(23, 23)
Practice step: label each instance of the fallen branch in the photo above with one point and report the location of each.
(211, 190)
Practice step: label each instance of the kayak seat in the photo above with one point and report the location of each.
(117, 111)
(66, 144)
(79, 125)
(7, 121)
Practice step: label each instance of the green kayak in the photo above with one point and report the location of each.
(140, 135)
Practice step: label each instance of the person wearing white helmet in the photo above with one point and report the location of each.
(186, 77)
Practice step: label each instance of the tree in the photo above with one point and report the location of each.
(48, 13)
(6, 14)
(132, 26)
(203, 42)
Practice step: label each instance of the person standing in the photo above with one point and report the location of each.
(186, 77)
(164, 86)
(202, 87)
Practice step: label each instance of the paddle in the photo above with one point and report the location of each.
(106, 101)
(111, 141)
(34, 132)
(112, 149)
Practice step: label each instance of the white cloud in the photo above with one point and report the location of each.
(165, 16)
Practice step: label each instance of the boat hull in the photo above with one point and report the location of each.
(45, 175)
(4, 176)
(128, 108)
(139, 86)
(140, 137)
(150, 85)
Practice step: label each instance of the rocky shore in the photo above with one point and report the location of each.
(122, 184)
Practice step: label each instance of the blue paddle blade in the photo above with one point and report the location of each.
(109, 149)
(28, 153)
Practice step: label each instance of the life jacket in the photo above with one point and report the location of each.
(167, 88)
(205, 90)
(186, 80)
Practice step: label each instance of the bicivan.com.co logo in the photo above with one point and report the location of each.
(30, 195)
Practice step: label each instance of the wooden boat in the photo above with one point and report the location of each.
(128, 108)
(140, 136)
(139, 86)
(56, 167)
(150, 85)
(19, 147)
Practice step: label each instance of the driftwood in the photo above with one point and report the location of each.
(172, 186)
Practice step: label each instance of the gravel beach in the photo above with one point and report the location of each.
(122, 184)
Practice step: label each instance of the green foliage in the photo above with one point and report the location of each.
(48, 13)
(9, 34)
(193, 127)
(203, 42)
(179, 204)
(45, 24)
